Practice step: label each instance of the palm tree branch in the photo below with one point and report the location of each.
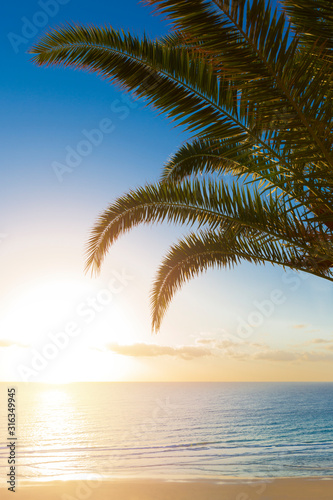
(197, 252)
(200, 203)
(57, 48)
(206, 156)
(203, 22)
(224, 5)
(312, 21)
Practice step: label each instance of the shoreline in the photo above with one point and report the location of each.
(213, 488)
(172, 479)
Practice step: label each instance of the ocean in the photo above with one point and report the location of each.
(170, 430)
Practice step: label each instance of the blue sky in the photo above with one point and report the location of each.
(44, 224)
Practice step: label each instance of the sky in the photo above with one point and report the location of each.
(58, 324)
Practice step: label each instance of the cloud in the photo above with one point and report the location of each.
(226, 348)
(153, 350)
(6, 343)
(320, 341)
(220, 344)
(276, 355)
(10, 343)
(285, 356)
(317, 356)
(206, 341)
(227, 342)
(299, 326)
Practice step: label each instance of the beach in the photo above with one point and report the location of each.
(167, 248)
(155, 489)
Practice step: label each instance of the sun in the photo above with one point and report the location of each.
(61, 329)
(37, 307)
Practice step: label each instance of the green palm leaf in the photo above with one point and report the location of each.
(254, 87)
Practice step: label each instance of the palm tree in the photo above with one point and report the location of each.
(254, 88)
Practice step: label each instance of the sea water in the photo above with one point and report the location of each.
(170, 430)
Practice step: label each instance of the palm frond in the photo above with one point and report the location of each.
(253, 47)
(246, 162)
(312, 21)
(254, 87)
(186, 89)
(224, 249)
(209, 203)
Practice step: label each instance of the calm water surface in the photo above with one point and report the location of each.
(171, 429)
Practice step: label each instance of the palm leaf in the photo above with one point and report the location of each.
(254, 87)
(312, 20)
(254, 49)
(201, 203)
(200, 251)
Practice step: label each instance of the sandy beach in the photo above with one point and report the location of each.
(144, 489)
